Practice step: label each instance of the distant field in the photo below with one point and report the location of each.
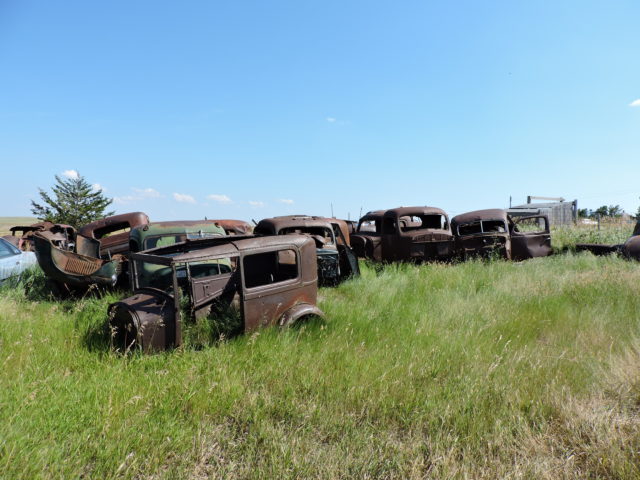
(7, 222)
(475, 370)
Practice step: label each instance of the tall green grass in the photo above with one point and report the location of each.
(473, 370)
(566, 237)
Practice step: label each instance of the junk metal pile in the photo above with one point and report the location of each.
(269, 274)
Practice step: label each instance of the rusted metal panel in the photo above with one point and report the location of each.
(530, 237)
(24, 233)
(113, 243)
(235, 227)
(264, 293)
(70, 268)
(631, 248)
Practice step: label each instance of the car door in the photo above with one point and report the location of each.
(10, 260)
(213, 281)
(530, 237)
(271, 284)
(348, 259)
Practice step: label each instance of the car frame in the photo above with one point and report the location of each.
(251, 275)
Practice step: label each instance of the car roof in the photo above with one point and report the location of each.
(478, 215)
(407, 211)
(132, 218)
(176, 227)
(276, 224)
(198, 249)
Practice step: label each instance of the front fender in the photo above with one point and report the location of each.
(298, 311)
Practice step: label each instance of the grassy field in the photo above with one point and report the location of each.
(7, 222)
(475, 370)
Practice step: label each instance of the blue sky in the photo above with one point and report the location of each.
(249, 109)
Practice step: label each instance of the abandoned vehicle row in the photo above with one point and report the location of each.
(267, 274)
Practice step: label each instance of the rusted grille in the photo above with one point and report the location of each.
(431, 237)
(80, 267)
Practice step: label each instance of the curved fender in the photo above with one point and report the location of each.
(631, 248)
(298, 311)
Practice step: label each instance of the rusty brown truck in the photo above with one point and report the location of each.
(492, 232)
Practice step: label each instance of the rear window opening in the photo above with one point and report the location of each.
(470, 228)
(270, 267)
(119, 228)
(321, 233)
(484, 226)
(494, 226)
(420, 222)
(370, 226)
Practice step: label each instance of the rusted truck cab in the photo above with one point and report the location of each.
(367, 239)
(416, 234)
(482, 233)
(336, 260)
(491, 232)
(267, 280)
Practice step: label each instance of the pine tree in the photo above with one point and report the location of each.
(75, 203)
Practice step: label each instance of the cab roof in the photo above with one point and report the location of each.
(480, 215)
(407, 211)
(275, 224)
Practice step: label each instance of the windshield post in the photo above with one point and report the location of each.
(176, 305)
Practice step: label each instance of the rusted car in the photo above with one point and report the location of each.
(629, 249)
(367, 239)
(113, 232)
(492, 232)
(267, 280)
(336, 260)
(416, 234)
(82, 262)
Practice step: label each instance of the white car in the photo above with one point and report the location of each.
(14, 261)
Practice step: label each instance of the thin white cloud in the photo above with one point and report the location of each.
(287, 201)
(331, 119)
(139, 195)
(635, 103)
(96, 187)
(183, 198)
(219, 198)
(256, 203)
(147, 192)
(125, 199)
(70, 174)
